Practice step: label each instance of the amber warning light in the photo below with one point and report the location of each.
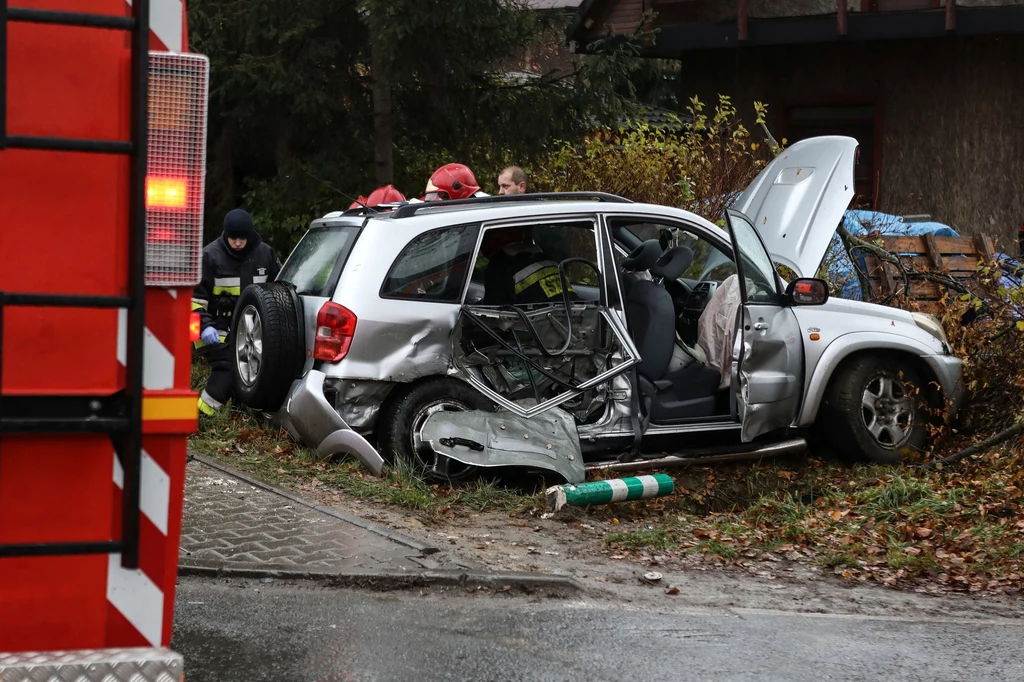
(194, 324)
(166, 193)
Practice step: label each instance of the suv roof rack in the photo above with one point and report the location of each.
(409, 210)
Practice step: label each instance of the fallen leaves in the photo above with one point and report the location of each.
(933, 531)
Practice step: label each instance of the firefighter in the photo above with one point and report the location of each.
(517, 270)
(230, 264)
(452, 181)
(382, 195)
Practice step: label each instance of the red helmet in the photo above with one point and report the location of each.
(453, 181)
(384, 195)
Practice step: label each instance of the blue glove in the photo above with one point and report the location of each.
(210, 336)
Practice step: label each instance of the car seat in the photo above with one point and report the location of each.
(673, 396)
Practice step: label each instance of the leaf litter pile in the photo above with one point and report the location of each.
(935, 531)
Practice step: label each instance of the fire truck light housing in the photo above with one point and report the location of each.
(166, 193)
(176, 173)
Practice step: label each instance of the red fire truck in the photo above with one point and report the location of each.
(102, 155)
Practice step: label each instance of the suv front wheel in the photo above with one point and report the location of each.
(401, 421)
(875, 409)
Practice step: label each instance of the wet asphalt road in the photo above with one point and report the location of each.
(252, 631)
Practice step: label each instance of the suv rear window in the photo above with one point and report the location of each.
(433, 267)
(310, 266)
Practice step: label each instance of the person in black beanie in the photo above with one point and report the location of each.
(230, 264)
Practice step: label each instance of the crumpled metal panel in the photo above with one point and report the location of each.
(93, 665)
(504, 439)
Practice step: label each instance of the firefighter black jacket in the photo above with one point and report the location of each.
(226, 273)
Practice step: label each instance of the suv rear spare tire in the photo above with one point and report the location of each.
(267, 345)
(875, 409)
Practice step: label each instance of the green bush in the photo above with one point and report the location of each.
(700, 168)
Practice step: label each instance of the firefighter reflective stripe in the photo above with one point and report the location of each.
(259, 279)
(227, 285)
(544, 274)
(207, 405)
(199, 304)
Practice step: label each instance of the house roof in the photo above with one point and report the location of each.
(553, 4)
(780, 23)
(656, 117)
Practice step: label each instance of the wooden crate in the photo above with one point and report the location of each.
(955, 256)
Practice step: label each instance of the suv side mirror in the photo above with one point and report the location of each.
(807, 291)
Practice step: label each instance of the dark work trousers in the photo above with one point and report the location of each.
(218, 387)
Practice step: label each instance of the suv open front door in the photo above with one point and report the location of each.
(767, 358)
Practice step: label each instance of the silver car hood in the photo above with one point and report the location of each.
(798, 200)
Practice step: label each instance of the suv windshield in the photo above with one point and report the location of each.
(311, 263)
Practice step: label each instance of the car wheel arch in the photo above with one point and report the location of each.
(400, 389)
(844, 350)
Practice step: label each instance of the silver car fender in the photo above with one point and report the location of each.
(841, 348)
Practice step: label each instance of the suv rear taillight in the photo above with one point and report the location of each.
(335, 325)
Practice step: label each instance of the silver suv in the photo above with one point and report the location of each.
(397, 333)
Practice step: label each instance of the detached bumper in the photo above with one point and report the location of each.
(948, 369)
(312, 420)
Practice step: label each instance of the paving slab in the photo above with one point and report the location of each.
(232, 521)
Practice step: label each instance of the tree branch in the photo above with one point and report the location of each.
(851, 241)
(977, 448)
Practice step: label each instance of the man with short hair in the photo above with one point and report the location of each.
(512, 180)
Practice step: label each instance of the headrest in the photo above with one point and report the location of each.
(642, 257)
(673, 264)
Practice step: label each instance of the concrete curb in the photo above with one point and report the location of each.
(383, 531)
(391, 579)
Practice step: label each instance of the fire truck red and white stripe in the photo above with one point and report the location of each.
(175, 188)
(166, 24)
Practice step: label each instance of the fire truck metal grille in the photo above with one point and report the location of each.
(176, 180)
(93, 665)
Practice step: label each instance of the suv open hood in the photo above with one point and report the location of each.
(798, 200)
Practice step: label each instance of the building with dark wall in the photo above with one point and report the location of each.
(933, 91)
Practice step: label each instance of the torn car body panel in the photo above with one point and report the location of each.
(516, 354)
(309, 418)
(546, 441)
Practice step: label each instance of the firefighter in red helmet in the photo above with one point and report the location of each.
(382, 195)
(452, 181)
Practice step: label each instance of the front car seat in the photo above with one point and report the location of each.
(673, 396)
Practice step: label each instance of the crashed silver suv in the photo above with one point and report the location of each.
(658, 332)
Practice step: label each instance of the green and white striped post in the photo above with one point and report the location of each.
(614, 490)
